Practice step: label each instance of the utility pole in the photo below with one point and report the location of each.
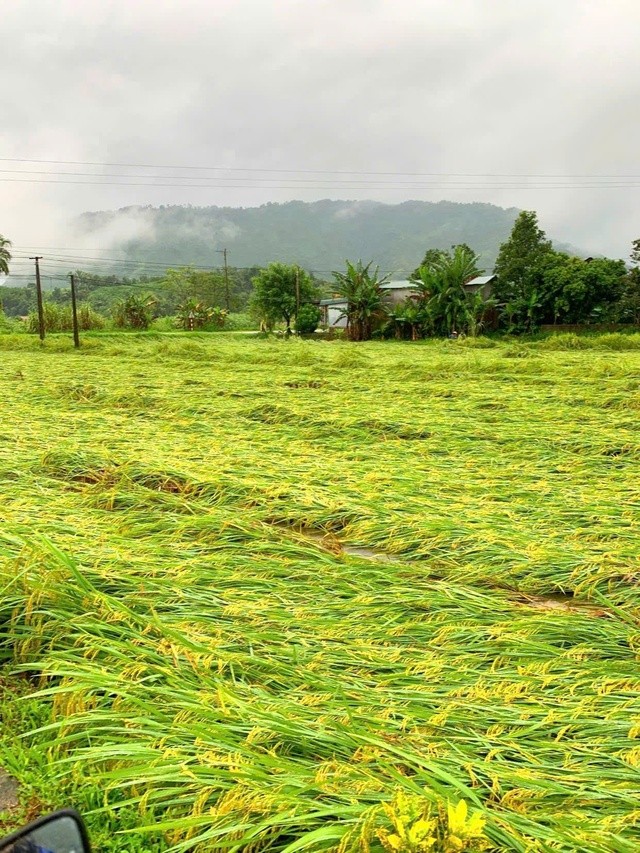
(297, 293)
(223, 252)
(37, 259)
(74, 311)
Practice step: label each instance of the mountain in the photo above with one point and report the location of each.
(318, 235)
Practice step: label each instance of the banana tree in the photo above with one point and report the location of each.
(5, 255)
(362, 291)
(441, 290)
(192, 314)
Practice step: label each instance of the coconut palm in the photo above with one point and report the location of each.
(5, 255)
(362, 290)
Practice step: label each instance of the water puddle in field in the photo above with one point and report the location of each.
(558, 601)
(366, 553)
(330, 542)
(561, 602)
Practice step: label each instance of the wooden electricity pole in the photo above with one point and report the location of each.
(37, 259)
(223, 252)
(297, 293)
(74, 311)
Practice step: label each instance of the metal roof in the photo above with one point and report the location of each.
(405, 284)
(480, 279)
(340, 301)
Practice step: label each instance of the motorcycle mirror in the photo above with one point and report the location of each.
(61, 832)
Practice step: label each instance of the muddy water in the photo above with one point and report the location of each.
(366, 553)
(565, 603)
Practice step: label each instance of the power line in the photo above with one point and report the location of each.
(70, 259)
(135, 283)
(316, 181)
(76, 258)
(310, 171)
(345, 186)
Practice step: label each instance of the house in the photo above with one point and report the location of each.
(481, 284)
(397, 292)
(334, 310)
(334, 313)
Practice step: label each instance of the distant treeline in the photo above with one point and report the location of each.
(535, 285)
(103, 293)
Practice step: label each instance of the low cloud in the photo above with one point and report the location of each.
(135, 224)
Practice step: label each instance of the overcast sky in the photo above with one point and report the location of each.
(458, 91)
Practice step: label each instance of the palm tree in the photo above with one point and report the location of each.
(362, 290)
(5, 255)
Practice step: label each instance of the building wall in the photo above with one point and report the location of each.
(399, 295)
(334, 320)
(485, 289)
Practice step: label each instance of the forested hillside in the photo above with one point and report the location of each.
(317, 235)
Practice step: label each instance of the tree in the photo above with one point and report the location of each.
(278, 290)
(520, 258)
(446, 303)
(627, 310)
(17, 301)
(186, 283)
(5, 255)
(362, 290)
(436, 256)
(577, 291)
(565, 289)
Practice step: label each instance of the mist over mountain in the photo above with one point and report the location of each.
(317, 235)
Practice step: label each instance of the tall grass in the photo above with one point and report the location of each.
(208, 656)
(59, 318)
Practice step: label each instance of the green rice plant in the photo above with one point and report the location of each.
(261, 596)
(614, 341)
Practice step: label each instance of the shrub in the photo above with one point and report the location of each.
(6, 325)
(240, 322)
(134, 312)
(163, 324)
(308, 319)
(198, 315)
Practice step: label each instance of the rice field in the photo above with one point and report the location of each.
(268, 595)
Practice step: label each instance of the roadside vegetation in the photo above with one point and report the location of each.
(286, 595)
